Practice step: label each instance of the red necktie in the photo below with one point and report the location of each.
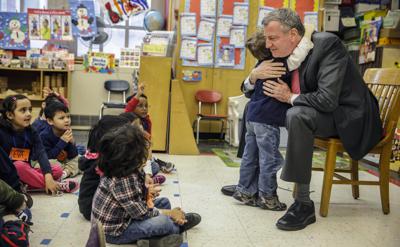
(295, 82)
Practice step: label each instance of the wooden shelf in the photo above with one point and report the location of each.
(30, 97)
(44, 70)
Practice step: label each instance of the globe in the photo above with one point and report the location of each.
(153, 21)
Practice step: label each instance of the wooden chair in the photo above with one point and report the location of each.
(385, 85)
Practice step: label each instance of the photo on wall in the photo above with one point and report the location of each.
(34, 31)
(14, 30)
(56, 32)
(45, 31)
(47, 24)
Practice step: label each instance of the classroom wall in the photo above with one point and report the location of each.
(87, 89)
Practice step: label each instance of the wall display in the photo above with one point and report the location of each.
(206, 30)
(205, 54)
(226, 56)
(311, 18)
(99, 62)
(224, 25)
(49, 24)
(83, 18)
(188, 24)
(262, 12)
(14, 31)
(238, 36)
(240, 14)
(188, 48)
(369, 40)
(129, 58)
(208, 8)
(191, 75)
(121, 10)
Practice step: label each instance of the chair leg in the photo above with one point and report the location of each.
(101, 111)
(384, 161)
(198, 130)
(221, 135)
(330, 164)
(354, 177)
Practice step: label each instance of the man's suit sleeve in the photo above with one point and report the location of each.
(330, 77)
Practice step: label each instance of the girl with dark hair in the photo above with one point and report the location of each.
(23, 145)
(121, 201)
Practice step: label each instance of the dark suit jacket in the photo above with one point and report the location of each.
(330, 82)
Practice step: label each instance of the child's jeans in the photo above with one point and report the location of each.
(261, 160)
(141, 229)
(34, 177)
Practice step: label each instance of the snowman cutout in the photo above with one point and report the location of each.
(16, 34)
(83, 20)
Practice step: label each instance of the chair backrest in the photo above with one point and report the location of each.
(385, 85)
(116, 86)
(208, 97)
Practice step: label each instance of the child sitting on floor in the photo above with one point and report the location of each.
(120, 203)
(58, 139)
(49, 97)
(23, 145)
(151, 168)
(91, 174)
(138, 104)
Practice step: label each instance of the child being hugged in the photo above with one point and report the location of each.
(58, 139)
(23, 144)
(120, 202)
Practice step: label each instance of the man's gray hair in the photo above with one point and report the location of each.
(287, 17)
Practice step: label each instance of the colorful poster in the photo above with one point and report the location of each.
(262, 12)
(49, 24)
(83, 18)
(14, 31)
(121, 10)
(205, 54)
(226, 56)
(188, 24)
(240, 14)
(188, 48)
(238, 36)
(99, 62)
(369, 40)
(224, 25)
(206, 30)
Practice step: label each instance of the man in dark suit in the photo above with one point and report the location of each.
(330, 99)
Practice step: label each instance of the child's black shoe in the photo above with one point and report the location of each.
(192, 220)
(173, 240)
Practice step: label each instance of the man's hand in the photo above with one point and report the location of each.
(267, 70)
(278, 90)
(178, 216)
(154, 190)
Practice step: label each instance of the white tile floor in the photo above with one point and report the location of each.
(196, 186)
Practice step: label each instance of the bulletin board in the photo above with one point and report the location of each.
(226, 53)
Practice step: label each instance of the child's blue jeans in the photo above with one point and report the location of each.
(261, 160)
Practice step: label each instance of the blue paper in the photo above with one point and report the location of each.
(83, 18)
(14, 31)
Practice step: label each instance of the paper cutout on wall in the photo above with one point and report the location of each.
(83, 18)
(99, 62)
(14, 31)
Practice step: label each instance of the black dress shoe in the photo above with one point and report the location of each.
(228, 190)
(298, 216)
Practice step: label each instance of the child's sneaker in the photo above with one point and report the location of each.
(159, 179)
(166, 167)
(173, 240)
(192, 220)
(69, 186)
(96, 236)
(271, 203)
(26, 216)
(248, 200)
